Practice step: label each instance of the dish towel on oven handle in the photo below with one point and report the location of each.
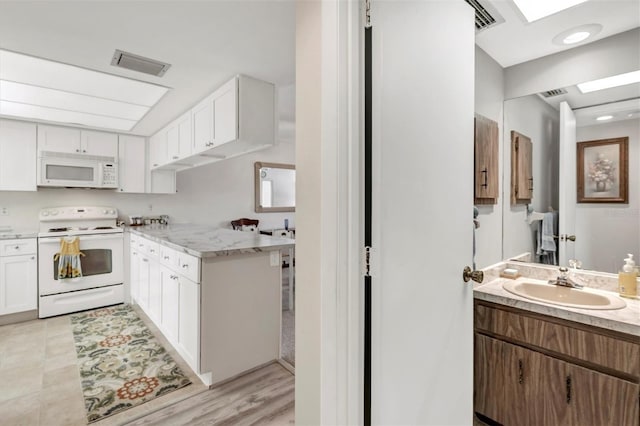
(69, 265)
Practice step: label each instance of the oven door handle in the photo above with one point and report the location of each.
(51, 240)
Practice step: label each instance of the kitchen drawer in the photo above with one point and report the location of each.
(18, 246)
(153, 249)
(169, 258)
(189, 266)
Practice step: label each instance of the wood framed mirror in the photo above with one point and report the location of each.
(275, 187)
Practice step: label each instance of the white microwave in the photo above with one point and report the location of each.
(77, 170)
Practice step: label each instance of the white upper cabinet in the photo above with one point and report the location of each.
(131, 164)
(203, 125)
(99, 143)
(17, 156)
(76, 141)
(179, 137)
(238, 118)
(158, 149)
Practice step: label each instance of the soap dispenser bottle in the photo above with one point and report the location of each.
(627, 284)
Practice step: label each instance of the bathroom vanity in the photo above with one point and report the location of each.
(538, 363)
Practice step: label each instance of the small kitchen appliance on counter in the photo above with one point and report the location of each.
(102, 259)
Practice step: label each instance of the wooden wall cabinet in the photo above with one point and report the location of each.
(486, 168)
(532, 369)
(521, 169)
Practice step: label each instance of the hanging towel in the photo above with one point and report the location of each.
(69, 265)
(546, 243)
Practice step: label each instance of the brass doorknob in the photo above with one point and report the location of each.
(571, 237)
(468, 274)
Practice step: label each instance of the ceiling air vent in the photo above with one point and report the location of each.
(486, 15)
(554, 92)
(139, 63)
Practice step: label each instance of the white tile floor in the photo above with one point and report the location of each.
(40, 381)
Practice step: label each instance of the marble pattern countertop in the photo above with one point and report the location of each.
(17, 234)
(626, 320)
(207, 241)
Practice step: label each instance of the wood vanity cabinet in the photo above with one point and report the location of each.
(486, 161)
(531, 369)
(521, 169)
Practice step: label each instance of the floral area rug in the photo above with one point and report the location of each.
(121, 363)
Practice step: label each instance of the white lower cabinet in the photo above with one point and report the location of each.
(134, 272)
(189, 322)
(18, 278)
(143, 283)
(155, 292)
(170, 317)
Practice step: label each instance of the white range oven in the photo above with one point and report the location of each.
(102, 248)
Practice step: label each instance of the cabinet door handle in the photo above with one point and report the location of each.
(145, 260)
(520, 372)
(77, 150)
(569, 389)
(152, 250)
(33, 258)
(486, 173)
(166, 258)
(185, 266)
(175, 157)
(17, 247)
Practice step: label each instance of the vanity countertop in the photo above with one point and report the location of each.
(626, 320)
(208, 241)
(17, 234)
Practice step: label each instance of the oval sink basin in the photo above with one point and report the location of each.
(563, 296)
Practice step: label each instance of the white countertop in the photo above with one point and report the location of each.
(208, 241)
(626, 320)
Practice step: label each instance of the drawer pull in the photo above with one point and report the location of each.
(569, 389)
(166, 258)
(145, 260)
(152, 250)
(520, 372)
(17, 247)
(185, 266)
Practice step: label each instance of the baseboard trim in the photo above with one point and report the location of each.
(18, 317)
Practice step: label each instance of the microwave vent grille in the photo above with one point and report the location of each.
(554, 92)
(139, 63)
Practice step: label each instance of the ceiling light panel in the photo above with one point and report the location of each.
(51, 98)
(609, 82)
(54, 75)
(538, 9)
(64, 116)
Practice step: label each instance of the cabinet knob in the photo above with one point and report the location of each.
(166, 258)
(33, 258)
(77, 150)
(17, 247)
(175, 157)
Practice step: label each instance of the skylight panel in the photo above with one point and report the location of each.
(609, 82)
(538, 9)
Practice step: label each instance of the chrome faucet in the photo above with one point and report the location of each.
(564, 280)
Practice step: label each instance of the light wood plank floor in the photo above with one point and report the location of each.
(262, 397)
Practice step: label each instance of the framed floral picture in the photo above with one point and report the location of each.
(603, 172)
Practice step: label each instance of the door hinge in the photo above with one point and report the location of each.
(366, 261)
(367, 13)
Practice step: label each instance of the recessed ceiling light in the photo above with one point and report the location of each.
(40, 89)
(577, 34)
(538, 9)
(609, 82)
(604, 117)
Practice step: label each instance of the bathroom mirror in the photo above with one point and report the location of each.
(604, 233)
(275, 187)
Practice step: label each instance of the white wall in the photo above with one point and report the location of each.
(489, 97)
(605, 233)
(534, 118)
(213, 194)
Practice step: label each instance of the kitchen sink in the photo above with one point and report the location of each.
(564, 296)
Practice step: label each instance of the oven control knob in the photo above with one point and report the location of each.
(45, 213)
(54, 212)
(105, 211)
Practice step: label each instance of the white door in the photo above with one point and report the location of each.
(422, 311)
(567, 193)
